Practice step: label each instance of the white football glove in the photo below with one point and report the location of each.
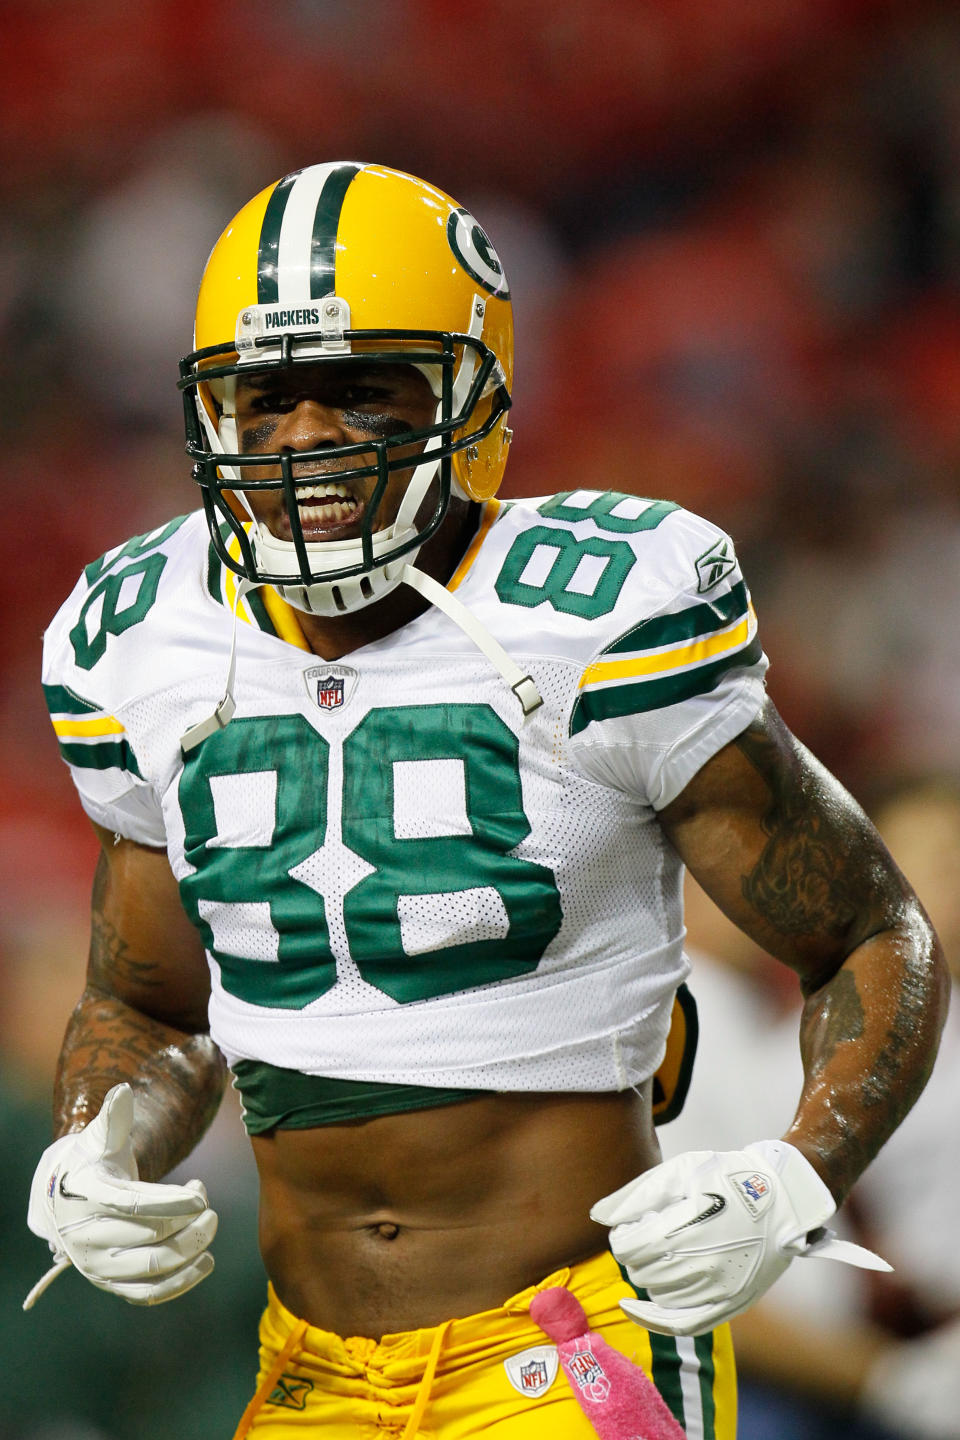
(146, 1243)
(706, 1233)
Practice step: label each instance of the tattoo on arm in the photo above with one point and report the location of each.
(111, 955)
(836, 1016)
(806, 881)
(177, 1076)
(861, 1102)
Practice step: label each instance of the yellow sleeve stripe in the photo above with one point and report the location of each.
(490, 512)
(100, 725)
(678, 658)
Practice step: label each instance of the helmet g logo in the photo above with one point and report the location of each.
(473, 249)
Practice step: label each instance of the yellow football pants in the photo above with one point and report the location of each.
(495, 1373)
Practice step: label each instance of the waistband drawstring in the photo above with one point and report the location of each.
(426, 1384)
(265, 1390)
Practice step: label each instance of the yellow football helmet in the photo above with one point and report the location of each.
(337, 261)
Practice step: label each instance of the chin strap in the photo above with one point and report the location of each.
(522, 685)
(223, 714)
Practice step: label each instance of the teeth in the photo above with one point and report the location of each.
(316, 492)
(324, 514)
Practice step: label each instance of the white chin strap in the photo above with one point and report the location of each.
(333, 598)
(522, 684)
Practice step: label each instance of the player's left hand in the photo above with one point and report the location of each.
(706, 1233)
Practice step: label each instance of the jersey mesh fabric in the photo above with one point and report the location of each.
(361, 873)
(573, 1023)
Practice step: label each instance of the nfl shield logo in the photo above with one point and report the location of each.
(330, 686)
(585, 1368)
(754, 1190)
(330, 692)
(533, 1371)
(533, 1376)
(755, 1186)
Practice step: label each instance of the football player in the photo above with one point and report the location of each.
(395, 783)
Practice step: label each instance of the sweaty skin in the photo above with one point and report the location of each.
(403, 1221)
(398, 1222)
(368, 1227)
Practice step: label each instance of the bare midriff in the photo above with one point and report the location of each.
(404, 1221)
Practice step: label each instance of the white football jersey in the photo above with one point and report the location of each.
(397, 880)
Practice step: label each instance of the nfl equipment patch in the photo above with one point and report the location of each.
(330, 686)
(754, 1190)
(533, 1371)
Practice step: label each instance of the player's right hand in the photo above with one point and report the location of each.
(146, 1243)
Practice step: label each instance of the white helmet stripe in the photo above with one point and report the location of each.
(306, 251)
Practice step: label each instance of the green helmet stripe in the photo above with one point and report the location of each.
(267, 278)
(326, 222)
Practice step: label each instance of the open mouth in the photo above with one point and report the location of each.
(326, 504)
(327, 510)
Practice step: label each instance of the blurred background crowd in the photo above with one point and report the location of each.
(732, 231)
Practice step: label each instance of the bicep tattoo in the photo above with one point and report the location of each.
(112, 962)
(809, 877)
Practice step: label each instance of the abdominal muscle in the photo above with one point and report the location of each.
(405, 1221)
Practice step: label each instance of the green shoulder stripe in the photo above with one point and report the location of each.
(103, 755)
(682, 625)
(61, 700)
(636, 697)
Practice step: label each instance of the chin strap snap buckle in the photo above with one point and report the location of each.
(523, 686)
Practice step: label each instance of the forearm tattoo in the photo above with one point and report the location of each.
(178, 1077)
(864, 1099)
(827, 898)
(836, 1018)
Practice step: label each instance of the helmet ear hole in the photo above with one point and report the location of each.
(478, 469)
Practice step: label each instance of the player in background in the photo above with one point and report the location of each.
(395, 785)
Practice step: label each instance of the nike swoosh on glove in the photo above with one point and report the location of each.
(146, 1243)
(706, 1233)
